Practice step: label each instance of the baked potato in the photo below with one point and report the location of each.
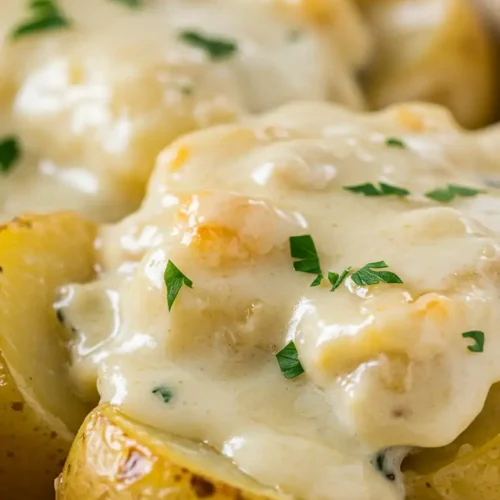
(39, 414)
(115, 457)
(433, 50)
(120, 83)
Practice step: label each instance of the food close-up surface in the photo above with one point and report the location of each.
(249, 249)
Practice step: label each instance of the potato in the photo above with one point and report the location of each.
(39, 413)
(433, 50)
(466, 469)
(121, 84)
(114, 457)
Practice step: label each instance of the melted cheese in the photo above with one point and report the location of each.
(386, 366)
(93, 105)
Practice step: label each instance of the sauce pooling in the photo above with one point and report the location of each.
(93, 102)
(387, 363)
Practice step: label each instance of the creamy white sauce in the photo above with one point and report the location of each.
(385, 365)
(93, 105)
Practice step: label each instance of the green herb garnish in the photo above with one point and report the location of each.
(131, 3)
(395, 142)
(9, 153)
(174, 279)
(288, 359)
(216, 48)
(163, 393)
(380, 462)
(336, 279)
(294, 35)
(303, 248)
(369, 189)
(367, 276)
(448, 193)
(478, 338)
(46, 15)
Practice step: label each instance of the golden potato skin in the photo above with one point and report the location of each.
(454, 64)
(466, 469)
(38, 412)
(115, 458)
(31, 455)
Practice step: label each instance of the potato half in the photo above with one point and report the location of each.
(433, 50)
(39, 413)
(466, 469)
(114, 457)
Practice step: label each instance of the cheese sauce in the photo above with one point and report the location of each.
(386, 366)
(92, 105)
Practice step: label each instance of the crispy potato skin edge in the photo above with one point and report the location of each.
(112, 459)
(32, 453)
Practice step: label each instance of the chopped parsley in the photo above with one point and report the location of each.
(294, 35)
(163, 392)
(303, 248)
(9, 153)
(46, 15)
(336, 279)
(448, 193)
(174, 279)
(367, 276)
(369, 189)
(394, 142)
(288, 360)
(186, 90)
(131, 3)
(387, 190)
(216, 48)
(381, 463)
(478, 338)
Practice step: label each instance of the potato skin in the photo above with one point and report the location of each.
(454, 64)
(31, 454)
(115, 458)
(466, 469)
(37, 254)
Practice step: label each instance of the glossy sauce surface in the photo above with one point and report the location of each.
(93, 104)
(386, 366)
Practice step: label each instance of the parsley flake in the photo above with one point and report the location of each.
(336, 279)
(131, 3)
(448, 193)
(303, 248)
(294, 35)
(46, 15)
(381, 463)
(174, 279)
(395, 142)
(387, 190)
(369, 189)
(478, 338)
(216, 48)
(288, 360)
(9, 153)
(367, 276)
(163, 392)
